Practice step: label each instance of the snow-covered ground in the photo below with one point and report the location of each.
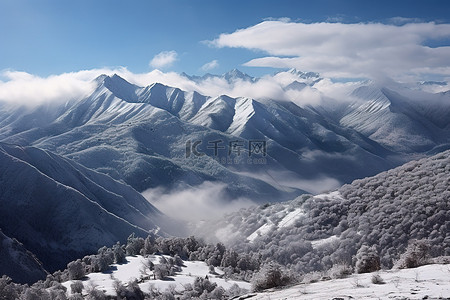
(426, 282)
(288, 220)
(330, 195)
(318, 243)
(289, 217)
(132, 270)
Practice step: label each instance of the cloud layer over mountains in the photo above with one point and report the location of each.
(28, 89)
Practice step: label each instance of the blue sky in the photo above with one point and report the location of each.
(53, 37)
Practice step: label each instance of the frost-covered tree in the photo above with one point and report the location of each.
(202, 285)
(130, 292)
(149, 245)
(367, 259)
(416, 255)
(95, 294)
(229, 259)
(161, 271)
(119, 254)
(76, 269)
(76, 297)
(76, 287)
(269, 276)
(8, 290)
(134, 245)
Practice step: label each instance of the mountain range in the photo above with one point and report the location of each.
(73, 170)
(145, 136)
(60, 210)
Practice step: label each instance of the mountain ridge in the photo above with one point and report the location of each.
(64, 210)
(116, 130)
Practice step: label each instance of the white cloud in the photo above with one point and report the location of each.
(206, 201)
(345, 50)
(27, 89)
(164, 59)
(211, 65)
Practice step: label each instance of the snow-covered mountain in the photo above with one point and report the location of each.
(61, 210)
(145, 136)
(412, 122)
(386, 211)
(230, 77)
(18, 263)
(263, 150)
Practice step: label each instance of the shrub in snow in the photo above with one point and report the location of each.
(8, 289)
(235, 290)
(76, 270)
(134, 245)
(376, 279)
(76, 287)
(212, 270)
(161, 271)
(166, 296)
(99, 263)
(95, 294)
(119, 254)
(178, 261)
(229, 259)
(202, 285)
(34, 294)
(217, 293)
(57, 293)
(76, 297)
(312, 277)
(147, 266)
(416, 255)
(132, 291)
(367, 260)
(340, 271)
(149, 245)
(269, 276)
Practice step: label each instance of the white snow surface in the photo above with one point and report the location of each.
(132, 270)
(330, 195)
(426, 282)
(288, 220)
(289, 217)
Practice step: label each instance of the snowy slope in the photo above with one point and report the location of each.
(426, 282)
(417, 122)
(60, 210)
(133, 269)
(313, 233)
(18, 263)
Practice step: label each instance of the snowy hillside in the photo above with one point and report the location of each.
(427, 282)
(18, 263)
(313, 233)
(136, 268)
(60, 210)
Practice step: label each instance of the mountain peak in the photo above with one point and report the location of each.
(304, 75)
(120, 87)
(236, 74)
(295, 85)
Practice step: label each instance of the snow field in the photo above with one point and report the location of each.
(133, 270)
